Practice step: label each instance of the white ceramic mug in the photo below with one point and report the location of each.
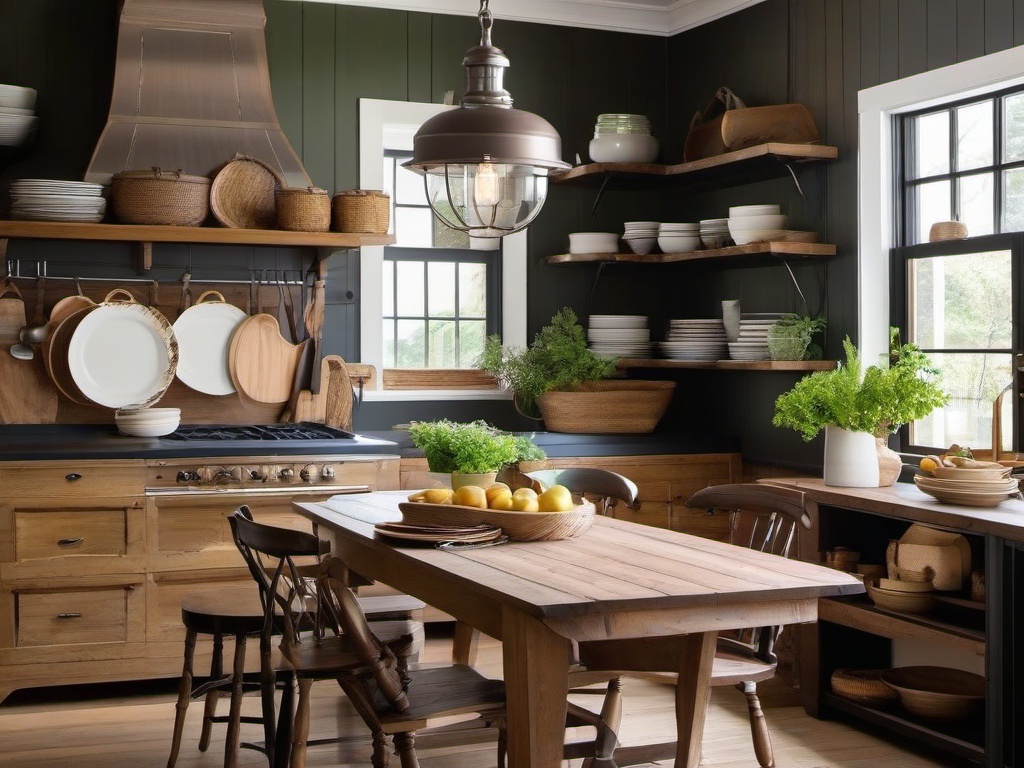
(731, 319)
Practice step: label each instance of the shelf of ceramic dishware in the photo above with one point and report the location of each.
(733, 252)
(729, 365)
(762, 160)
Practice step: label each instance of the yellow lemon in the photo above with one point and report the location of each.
(470, 496)
(495, 490)
(418, 496)
(525, 500)
(557, 498)
(502, 501)
(437, 495)
(928, 464)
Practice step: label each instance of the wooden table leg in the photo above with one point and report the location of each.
(536, 664)
(692, 696)
(466, 644)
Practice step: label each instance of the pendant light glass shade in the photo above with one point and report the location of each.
(486, 165)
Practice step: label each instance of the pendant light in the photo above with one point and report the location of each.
(485, 164)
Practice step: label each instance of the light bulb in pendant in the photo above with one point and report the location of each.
(487, 185)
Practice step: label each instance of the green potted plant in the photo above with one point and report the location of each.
(859, 409)
(471, 452)
(790, 337)
(558, 378)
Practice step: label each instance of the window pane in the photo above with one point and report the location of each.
(389, 288)
(443, 344)
(411, 344)
(389, 170)
(1013, 201)
(977, 204)
(973, 382)
(472, 290)
(932, 205)
(388, 335)
(412, 227)
(441, 288)
(961, 302)
(471, 342)
(974, 136)
(1013, 131)
(409, 187)
(931, 144)
(409, 275)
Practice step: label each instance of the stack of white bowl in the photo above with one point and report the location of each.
(752, 343)
(147, 422)
(756, 223)
(18, 121)
(57, 200)
(694, 340)
(622, 138)
(678, 238)
(619, 336)
(641, 236)
(593, 242)
(714, 232)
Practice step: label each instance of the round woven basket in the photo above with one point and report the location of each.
(363, 211)
(158, 197)
(243, 194)
(518, 526)
(607, 407)
(864, 685)
(947, 230)
(304, 210)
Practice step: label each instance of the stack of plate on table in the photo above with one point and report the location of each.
(970, 487)
(432, 534)
(619, 336)
(694, 340)
(752, 343)
(18, 121)
(56, 200)
(147, 422)
(714, 233)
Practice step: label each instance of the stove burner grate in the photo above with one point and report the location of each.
(231, 432)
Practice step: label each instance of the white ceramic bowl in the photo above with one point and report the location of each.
(157, 429)
(767, 221)
(753, 210)
(678, 243)
(641, 246)
(745, 236)
(712, 241)
(641, 224)
(593, 242)
(17, 97)
(624, 148)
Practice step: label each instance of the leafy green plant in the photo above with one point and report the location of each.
(558, 359)
(790, 337)
(878, 400)
(467, 447)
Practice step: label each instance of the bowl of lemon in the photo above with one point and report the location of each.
(522, 514)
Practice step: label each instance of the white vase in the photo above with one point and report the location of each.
(851, 460)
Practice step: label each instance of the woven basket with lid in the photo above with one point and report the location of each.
(304, 209)
(160, 197)
(362, 211)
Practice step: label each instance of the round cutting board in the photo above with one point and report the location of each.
(261, 361)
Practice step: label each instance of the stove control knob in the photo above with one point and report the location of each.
(328, 473)
(286, 474)
(309, 473)
(255, 474)
(188, 476)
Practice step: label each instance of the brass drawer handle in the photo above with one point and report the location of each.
(72, 476)
(69, 542)
(69, 615)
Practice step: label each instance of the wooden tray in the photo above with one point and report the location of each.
(518, 526)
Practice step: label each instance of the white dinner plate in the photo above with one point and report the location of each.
(204, 336)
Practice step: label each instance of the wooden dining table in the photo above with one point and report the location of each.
(617, 580)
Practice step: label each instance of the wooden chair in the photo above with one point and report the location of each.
(764, 518)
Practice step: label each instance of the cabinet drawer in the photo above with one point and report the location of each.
(70, 533)
(73, 481)
(165, 591)
(73, 616)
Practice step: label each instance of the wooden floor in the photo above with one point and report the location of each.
(132, 730)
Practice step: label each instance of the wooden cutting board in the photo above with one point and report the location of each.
(261, 361)
(334, 402)
(27, 396)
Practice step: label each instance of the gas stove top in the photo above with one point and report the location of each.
(231, 432)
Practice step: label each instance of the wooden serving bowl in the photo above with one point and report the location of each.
(905, 602)
(518, 526)
(939, 693)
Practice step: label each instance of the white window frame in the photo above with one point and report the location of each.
(376, 117)
(876, 174)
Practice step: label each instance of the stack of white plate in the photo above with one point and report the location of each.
(147, 422)
(756, 223)
(18, 121)
(57, 200)
(679, 238)
(694, 340)
(619, 336)
(714, 232)
(969, 491)
(752, 343)
(640, 236)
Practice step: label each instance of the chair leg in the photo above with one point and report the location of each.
(233, 735)
(502, 745)
(184, 696)
(380, 757)
(405, 747)
(268, 687)
(758, 726)
(300, 732)
(213, 695)
(607, 735)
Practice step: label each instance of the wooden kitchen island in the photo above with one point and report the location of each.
(853, 633)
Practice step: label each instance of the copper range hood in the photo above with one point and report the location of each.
(192, 90)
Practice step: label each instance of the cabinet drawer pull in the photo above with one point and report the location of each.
(72, 476)
(69, 615)
(69, 542)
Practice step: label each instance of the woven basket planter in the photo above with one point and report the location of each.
(304, 210)
(159, 197)
(361, 211)
(607, 407)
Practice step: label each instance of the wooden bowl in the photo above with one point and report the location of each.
(899, 585)
(864, 685)
(904, 602)
(938, 693)
(518, 526)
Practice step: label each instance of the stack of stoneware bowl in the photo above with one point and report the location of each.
(694, 340)
(752, 343)
(18, 121)
(57, 200)
(678, 238)
(972, 487)
(714, 232)
(593, 242)
(620, 138)
(641, 236)
(619, 335)
(756, 223)
(147, 422)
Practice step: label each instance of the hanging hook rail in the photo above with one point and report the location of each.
(14, 271)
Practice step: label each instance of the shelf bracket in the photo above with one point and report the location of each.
(144, 251)
(600, 193)
(796, 181)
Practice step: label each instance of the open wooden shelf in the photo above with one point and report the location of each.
(734, 252)
(728, 168)
(730, 365)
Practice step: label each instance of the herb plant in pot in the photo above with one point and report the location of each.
(471, 452)
(790, 337)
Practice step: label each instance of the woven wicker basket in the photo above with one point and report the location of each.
(607, 407)
(363, 211)
(518, 526)
(243, 194)
(947, 230)
(156, 197)
(862, 685)
(304, 210)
